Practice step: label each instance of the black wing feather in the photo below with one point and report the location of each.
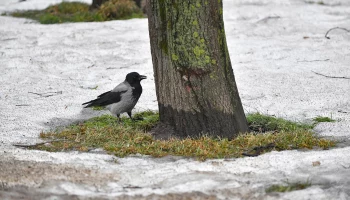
(105, 99)
(103, 94)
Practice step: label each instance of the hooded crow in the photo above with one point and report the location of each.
(122, 98)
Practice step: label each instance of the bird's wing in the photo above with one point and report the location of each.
(110, 97)
(124, 86)
(103, 94)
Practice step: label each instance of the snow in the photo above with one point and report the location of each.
(13, 5)
(277, 47)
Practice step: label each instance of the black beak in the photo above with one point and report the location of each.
(142, 77)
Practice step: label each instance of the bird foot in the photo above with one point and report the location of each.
(118, 121)
(137, 119)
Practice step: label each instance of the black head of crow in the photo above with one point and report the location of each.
(123, 97)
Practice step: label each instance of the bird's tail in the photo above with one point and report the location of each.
(102, 100)
(95, 102)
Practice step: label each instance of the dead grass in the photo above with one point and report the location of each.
(131, 137)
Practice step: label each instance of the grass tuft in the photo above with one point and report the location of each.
(130, 137)
(81, 12)
(98, 108)
(263, 123)
(320, 119)
(120, 9)
(289, 187)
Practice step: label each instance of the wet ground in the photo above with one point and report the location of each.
(283, 64)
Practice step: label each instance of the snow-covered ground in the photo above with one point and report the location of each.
(278, 51)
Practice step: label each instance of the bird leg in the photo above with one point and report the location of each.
(133, 118)
(119, 120)
(129, 113)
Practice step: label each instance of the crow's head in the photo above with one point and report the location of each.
(134, 77)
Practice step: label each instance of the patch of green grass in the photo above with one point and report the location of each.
(131, 137)
(98, 108)
(320, 119)
(60, 13)
(120, 9)
(73, 12)
(263, 123)
(288, 187)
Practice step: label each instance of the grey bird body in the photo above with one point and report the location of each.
(127, 102)
(122, 98)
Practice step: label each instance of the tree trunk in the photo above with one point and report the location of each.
(195, 85)
(138, 3)
(97, 3)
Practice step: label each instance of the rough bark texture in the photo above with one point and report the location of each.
(138, 3)
(97, 3)
(195, 85)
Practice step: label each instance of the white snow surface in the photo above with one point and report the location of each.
(15, 5)
(278, 51)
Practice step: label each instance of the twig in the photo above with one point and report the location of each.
(259, 97)
(132, 187)
(267, 18)
(342, 111)
(37, 144)
(313, 60)
(47, 94)
(345, 167)
(344, 29)
(343, 77)
(7, 39)
(259, 149)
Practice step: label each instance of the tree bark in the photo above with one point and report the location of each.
(138, 3)
(195, 84)
(97, 3)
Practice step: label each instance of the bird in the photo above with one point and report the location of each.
(122, 98)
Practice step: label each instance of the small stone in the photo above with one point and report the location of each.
(316, 163)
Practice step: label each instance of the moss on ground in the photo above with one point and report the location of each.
(262, 123)
(98, 108)
(130, 137)
(81, 12)
(320, 119)
(288, 187)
